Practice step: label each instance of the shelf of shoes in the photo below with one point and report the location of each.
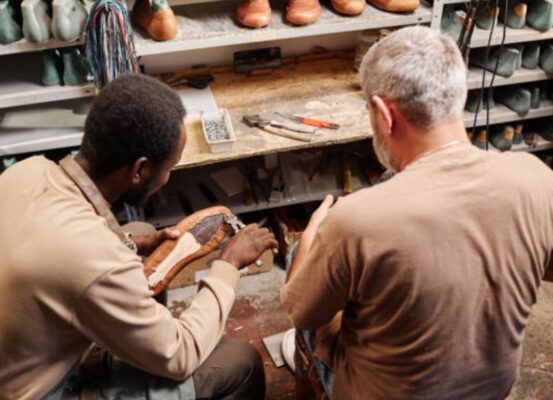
(23, 46)
(522, 75)
(500, 114)
(22, 86)
(540, 146)
(211, 25)
(480, 37)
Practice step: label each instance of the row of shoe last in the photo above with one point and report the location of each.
(257, 13)
(37, 20)
(536, 14)
(520, 99)
(67, 66)
(503, 138)
(511, 58)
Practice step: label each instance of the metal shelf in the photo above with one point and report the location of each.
(22, 46)
(500, 114)
(22, 86)
(523, 75)
(480, 36)
(211, 25)
(14, 141)
(542, 145)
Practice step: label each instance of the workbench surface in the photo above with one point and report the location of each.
(314, 86)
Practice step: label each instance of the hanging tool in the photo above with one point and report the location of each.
(195, 81)
(310, 121)
(277, 128)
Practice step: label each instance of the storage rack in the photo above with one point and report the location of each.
(500, 113)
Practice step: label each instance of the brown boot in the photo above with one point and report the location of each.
(303, 12)
(396, 5)
(156, 18)
(349, 7)
(254, 13)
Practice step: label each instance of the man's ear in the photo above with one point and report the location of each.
(383, 109)
(140, 170)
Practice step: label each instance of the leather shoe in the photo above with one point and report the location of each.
(254, 13)
(396, 5)
(156, 18)
(303, 12)
(349, 7)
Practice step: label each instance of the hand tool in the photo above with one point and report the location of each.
(310, 121)
(275, 128)
(195, 81)
(237, 225)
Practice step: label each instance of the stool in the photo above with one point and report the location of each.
(308, 382)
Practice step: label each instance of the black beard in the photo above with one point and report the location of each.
(138, 197)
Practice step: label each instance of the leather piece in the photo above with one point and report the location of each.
(207, 226)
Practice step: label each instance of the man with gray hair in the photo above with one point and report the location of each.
(420, 288)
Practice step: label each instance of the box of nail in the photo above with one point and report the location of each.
(218, 130)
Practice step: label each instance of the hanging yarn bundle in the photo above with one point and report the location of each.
(109, 41)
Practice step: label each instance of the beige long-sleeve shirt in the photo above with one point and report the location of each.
(66, 280)
(436, 272)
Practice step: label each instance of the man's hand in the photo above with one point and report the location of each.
(248, 245)
(309, 233)
(147, 244)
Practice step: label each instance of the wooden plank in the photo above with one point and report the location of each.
(325, 89)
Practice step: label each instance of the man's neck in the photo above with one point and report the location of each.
(419, 144)
(105, 185)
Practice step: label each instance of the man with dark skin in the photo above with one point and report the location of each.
(75, 280)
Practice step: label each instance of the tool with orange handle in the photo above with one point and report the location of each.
(310, 121)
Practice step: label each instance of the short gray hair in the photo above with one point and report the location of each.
(421, 71)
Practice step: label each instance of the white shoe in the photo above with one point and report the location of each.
(288, 348)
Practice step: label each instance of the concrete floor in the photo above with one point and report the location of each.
(257, 313)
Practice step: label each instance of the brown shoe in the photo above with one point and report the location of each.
(349, 7)
(202, 232)
(254, 13)
(156, 18)
(303, 12)
(396, 5)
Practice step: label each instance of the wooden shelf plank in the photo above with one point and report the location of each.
(523, 75)
(500, 114)
(210, 25)
(480, 36)
(327, 89)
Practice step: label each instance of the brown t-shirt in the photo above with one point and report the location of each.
(66, 280)
(436, 271)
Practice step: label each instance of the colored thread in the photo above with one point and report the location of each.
(109, 41)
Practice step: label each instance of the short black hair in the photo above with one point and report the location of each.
(133, 116)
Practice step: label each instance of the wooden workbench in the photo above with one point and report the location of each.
(323, 86)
